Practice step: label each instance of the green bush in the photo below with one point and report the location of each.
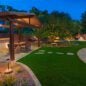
(1, 83)
(9, 80)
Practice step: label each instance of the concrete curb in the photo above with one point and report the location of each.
(36, 81)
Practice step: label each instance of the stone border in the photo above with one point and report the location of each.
(36, 81)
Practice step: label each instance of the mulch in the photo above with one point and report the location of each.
(19, 73)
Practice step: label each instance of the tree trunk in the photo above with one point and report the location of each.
(39, 43)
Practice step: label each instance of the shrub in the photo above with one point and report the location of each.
(9, 81)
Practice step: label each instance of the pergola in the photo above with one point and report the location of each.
(19, 20)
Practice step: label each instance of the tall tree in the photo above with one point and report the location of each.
(2, 8)
(83, 22)
(76, 27)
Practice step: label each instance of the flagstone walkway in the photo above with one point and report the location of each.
(18, 56)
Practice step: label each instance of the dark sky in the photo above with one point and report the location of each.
(74, 7)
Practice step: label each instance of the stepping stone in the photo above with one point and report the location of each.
(70, 53)
(59, 53)
(76, 44)
(49, 52)
(39, 53)
(41, 50)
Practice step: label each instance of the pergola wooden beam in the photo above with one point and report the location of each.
(15, 15)
(23, 23)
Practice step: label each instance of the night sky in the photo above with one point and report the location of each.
(74, 7)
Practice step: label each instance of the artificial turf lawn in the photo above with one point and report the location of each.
(58, 70)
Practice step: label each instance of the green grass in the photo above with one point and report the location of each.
(58, 70)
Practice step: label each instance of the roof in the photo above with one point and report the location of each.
(15, 15)
(20, 19)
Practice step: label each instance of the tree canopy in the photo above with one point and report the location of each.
(55, 23)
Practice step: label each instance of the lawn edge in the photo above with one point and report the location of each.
(36, 81)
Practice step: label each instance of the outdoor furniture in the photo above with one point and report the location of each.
(54, 44)
(62, 43)
(59, 44)
(22, 47)
(18, 46)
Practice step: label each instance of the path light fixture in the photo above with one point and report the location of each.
(8, 69)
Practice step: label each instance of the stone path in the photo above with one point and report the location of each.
(82, 54)
(51, 52)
